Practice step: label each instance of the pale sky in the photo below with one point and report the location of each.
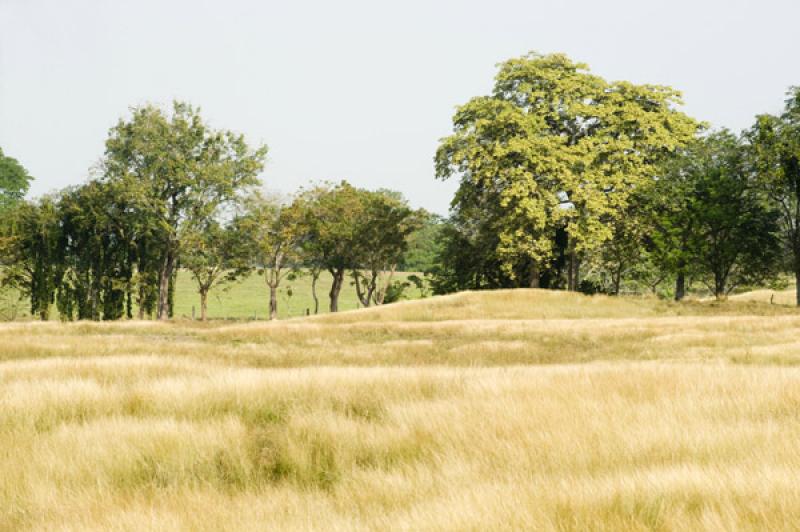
(357, 90)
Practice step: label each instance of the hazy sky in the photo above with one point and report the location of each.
(357, 90)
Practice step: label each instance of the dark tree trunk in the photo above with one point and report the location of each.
(164, 281)
(797, 285)
(336, 287)
(314, 278)
(203, 304)
(141, 300)
(617, 280)
(273, 302)
(680, 286)
(535, 276)
(570, 272)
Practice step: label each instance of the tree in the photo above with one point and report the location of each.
(669, 211)
(775, 146)
(734, 231)
(382, 239)
(14, 181)
(333, 214)
(215, 255)
(711, 217)
(30, 252)
(423, 243)
(556, 147)
(622, 253)
(179, 172)
(275, 233)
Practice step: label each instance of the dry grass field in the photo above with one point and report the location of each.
(508, 410)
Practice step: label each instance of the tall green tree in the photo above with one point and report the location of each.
(31, 253)
(553, 147)
(14, 181)
(775, 146)
(179, 172)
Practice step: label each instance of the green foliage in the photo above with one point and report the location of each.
(775, 146)
(31, 253)
(358, 230)
(556, 147)
(178, 172)
(711, 218)
(215, 254)
(423, 244)
(274, 235)
(14, 181)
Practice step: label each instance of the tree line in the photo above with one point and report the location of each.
(565, 181)
(173, 193)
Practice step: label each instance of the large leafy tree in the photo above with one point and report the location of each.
(14, 181)
(179, 172)
(553, 147)
(775, 145)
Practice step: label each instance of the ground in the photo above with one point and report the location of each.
(480, 411)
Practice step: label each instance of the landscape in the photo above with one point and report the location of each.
(580, 311)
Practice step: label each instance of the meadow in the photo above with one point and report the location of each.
(246, 299)
(521, 409)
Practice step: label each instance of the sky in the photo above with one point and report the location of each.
(357, 90)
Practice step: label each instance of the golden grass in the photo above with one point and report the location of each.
(492, 411)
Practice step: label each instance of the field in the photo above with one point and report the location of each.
(246, 299)
(522, 409)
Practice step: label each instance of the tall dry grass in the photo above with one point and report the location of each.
(598, 413)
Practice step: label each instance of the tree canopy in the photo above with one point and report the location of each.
(555, 146)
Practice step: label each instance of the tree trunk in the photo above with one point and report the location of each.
(164, 278)
(797, 285)
(336, 287)
(314, 278)
(570, 273)
(380, 294)
(203, 304)
(535, 276)
(680, 286)
(572, 269)
(363, 297)
(617, 280)
(273, 302)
